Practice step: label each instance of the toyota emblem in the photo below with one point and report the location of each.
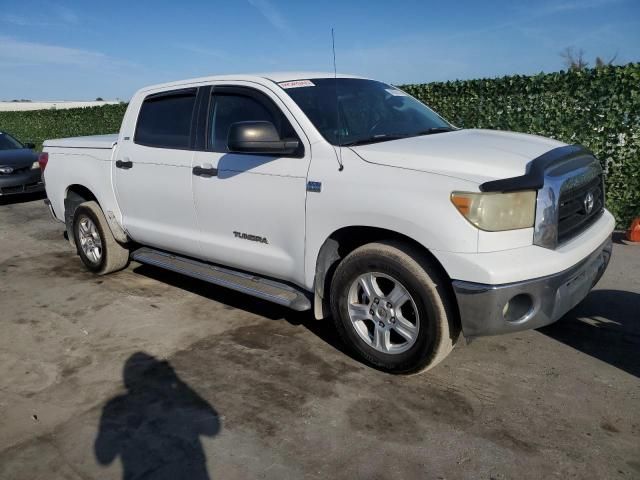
(6, 170)
(588, 202)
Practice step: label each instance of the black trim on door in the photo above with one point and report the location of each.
(171, 93)
(124, 164)
(205, 172)
(199, 124)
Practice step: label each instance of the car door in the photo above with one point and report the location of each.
(252, 211)
(152, 173)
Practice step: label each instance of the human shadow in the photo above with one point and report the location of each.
(155, 427)
(606, 325)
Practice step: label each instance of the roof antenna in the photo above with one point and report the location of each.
(335, 79)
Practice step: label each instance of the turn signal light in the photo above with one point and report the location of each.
(496, 212)
(463, 204)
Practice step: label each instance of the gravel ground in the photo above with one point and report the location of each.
(235, 388)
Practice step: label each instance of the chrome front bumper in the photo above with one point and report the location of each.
(497, 309)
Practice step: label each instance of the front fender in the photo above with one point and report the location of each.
(414, 204)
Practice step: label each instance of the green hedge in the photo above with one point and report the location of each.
(39, 125)
(598, 108)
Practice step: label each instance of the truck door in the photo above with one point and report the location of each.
(251, 208)
(152, 174)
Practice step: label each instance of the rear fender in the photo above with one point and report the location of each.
(72, 201)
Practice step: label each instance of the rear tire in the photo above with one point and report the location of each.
(392, 307)
(97, 248)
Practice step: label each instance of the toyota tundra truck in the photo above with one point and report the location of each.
(344, 196)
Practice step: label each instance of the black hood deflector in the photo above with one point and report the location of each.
(534, 178)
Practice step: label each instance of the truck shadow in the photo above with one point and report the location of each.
(256, 306)
(619, 238)
(155, 426)
(606, 326)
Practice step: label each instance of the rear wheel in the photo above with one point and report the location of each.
(97, 248)
(392, 307)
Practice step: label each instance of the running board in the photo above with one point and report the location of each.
(254, 285)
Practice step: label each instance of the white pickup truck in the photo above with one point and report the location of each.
(344, 196)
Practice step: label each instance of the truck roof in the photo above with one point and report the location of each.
(276, 77)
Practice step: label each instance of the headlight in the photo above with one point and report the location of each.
(496, 212)
(36, 164)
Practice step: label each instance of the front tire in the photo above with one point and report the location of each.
(97, 248)
(392, 307)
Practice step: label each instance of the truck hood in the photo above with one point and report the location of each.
(18, 158)
(474, 155)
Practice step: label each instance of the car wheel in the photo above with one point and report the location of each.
(98, 249)
(393, 308)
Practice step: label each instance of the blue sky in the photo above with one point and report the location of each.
(79, 50)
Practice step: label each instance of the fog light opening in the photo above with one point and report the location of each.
(518, 308)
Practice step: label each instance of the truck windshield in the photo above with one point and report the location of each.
(365, 111)
(7, 142)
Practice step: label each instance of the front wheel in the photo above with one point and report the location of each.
(98, 249)
(393, 308)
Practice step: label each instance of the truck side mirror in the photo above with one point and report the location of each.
(259, 137)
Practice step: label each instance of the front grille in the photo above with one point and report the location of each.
(29, 187)
(17, 171)
(573, 216)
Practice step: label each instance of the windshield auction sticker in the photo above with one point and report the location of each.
(297, 84)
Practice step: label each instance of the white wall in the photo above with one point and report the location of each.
(23, 106)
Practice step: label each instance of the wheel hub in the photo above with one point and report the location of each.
(383, 313)
(90, 241)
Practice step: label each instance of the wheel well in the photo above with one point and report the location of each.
(76, 194)
(81, 191)
(342, 242)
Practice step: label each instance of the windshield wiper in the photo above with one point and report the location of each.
(429, 131)
(395, 136)
(375, 139)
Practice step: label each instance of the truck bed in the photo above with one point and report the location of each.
(100, 142)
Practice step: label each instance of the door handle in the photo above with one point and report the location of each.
(124, 164)
(205, 171)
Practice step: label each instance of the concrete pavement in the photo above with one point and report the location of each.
(147, 374)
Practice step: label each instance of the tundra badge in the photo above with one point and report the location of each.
(248, 236)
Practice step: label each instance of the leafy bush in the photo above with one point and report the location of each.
(38, 125)
(598, 108)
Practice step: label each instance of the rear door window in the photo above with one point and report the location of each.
(165, 120)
